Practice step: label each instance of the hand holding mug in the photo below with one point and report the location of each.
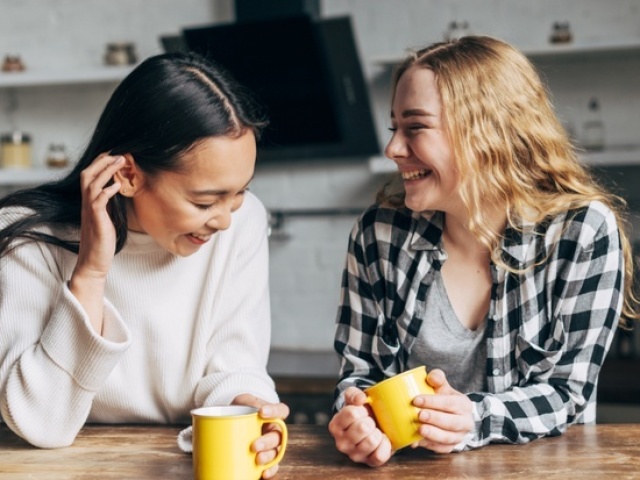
(224, 441)
(445, 418)
(356, 433)
(268, 444)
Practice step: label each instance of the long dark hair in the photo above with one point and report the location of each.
(159, 111)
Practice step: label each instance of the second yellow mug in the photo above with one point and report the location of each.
(222, 438)
(391, 403)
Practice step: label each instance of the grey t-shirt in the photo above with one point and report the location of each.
(444, 343)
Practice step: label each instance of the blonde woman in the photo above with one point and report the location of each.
(493, 258)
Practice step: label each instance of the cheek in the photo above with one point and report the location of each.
(237, 203)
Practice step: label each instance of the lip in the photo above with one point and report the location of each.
(196, 240)
(414, 176)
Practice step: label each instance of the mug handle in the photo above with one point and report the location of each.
(284, 433)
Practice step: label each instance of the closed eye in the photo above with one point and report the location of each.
(207, 206)
(203, 206)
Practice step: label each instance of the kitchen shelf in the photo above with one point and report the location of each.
(561, 51)
(30, 176)
(611, 157)
(34, 78)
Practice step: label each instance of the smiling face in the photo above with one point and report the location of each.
(182, 210)
(420, 144)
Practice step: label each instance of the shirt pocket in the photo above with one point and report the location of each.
(537, 361)
(386, 346)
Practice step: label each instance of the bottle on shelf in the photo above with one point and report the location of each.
(593, 127)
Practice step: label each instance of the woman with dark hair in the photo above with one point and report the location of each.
(492, 257)
(136, 288)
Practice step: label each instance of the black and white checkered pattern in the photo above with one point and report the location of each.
(548, 328)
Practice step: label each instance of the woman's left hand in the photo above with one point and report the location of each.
(445, 417)
(266, 447)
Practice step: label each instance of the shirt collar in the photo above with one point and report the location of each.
(516, 243)
(427, 230)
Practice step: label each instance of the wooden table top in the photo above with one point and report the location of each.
(150, 452)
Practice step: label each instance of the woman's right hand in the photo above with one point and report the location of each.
(356, 433)
(97, 235)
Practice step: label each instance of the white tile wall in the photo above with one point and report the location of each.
(306, 266)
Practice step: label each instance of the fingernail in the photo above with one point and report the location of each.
(266, 411)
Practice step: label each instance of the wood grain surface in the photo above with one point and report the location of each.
(150, 452)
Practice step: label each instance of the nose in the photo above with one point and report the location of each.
(397, 147)
(221, 218)
(222, 221)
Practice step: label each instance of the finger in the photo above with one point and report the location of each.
(436, 436)
(270, 472)
(263, 458)
(112, 189)
(99, 173)
(345, 417)
(355, 434)
(354, 396)
(99, 203)
(453, 404)
(268, 441)
(381, 455)
(362, 451)
(455, 421)
(103, 177)
(274, 410)
(438, 380)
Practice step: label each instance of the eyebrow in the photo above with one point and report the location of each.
(414, 112)
(203, 193)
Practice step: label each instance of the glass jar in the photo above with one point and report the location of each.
(456, 30)
(120, 53)
(15, 150)
(57, 156)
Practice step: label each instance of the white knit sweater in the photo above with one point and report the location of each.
(178, 333)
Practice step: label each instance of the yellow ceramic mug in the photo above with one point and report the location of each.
(390, 401)
(222, 438)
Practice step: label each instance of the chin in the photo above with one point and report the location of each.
(415, 205)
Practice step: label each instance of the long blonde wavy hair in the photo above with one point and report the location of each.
(509, 146)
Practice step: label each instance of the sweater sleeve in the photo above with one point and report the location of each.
(239, 346)
(52, 362)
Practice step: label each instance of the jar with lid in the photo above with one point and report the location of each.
(15, 150)
(456, 30)
(120, 53)
(560, 33)
(57, 156)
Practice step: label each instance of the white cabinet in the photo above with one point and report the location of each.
(11, 82)
(557, 57)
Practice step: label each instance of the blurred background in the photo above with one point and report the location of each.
(61, 59)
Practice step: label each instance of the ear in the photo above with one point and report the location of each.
(129, 176)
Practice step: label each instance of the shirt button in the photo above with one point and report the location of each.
(496, 372)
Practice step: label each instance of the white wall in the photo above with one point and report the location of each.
(306, 266)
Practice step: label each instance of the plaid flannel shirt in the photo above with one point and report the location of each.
(548, 328)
